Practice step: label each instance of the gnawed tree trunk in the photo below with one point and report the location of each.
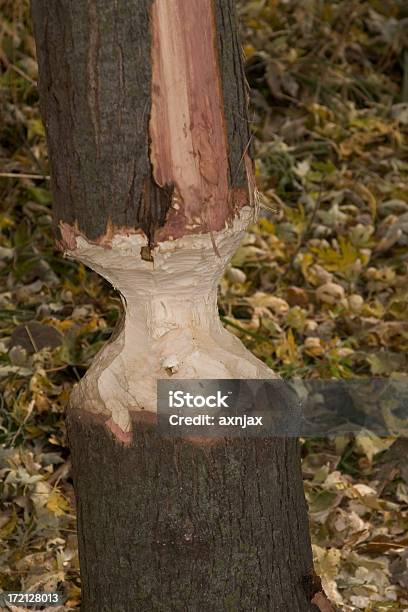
(146, 118)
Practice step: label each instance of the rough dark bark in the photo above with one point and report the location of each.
(166, 525)
(234, 89)
(95, 96)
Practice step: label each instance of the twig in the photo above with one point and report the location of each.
(24, 176)
(30, 335)
(248, 332)
(16, 69)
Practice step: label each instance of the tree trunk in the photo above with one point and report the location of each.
(145, 109)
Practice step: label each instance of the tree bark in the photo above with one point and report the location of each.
(97, 70)
(170, 525)
(145, 109)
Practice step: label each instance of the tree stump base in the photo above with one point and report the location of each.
(219, 525)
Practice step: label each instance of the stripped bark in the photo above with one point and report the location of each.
(131, 101)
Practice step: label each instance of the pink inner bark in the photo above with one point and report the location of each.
(189, 147)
